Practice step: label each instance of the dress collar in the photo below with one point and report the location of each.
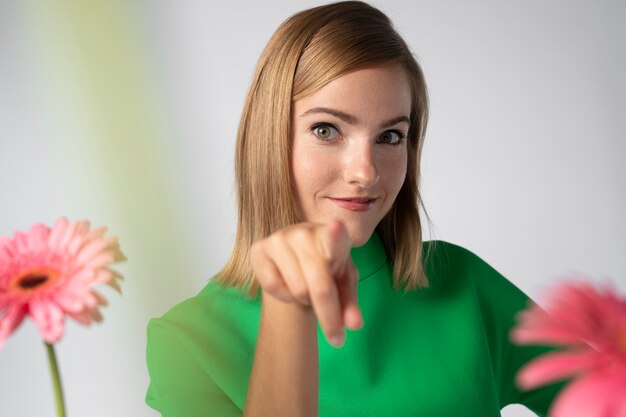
(370, 257)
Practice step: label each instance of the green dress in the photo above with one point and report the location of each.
(438, 352)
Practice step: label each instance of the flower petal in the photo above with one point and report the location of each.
(540, 335)
(38, 238)
(48, 318)
(20, 243)
(113, 284)
(67, 235)
(94, 248)
(579, 307)
(617, 406)
(9, 322)
(57, 232)
(5, 250)
(97, 233)
(84, 316)
(553, 367)
(101, 300)
(70, 301)
(589, 396)
(536, 326)
(90, 300)
(620, 409)
(103, 276)
(577, 315)
(96, 315)
(83, 278)
(100, 261)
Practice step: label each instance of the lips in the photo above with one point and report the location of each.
(355, 203)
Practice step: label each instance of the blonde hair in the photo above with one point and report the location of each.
(307, 51)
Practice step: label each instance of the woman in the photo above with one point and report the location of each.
(329, 232)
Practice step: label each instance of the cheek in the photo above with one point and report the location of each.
(393, 170)
(303, 167)
(311, 170)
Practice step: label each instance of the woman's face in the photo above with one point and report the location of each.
(349, 153)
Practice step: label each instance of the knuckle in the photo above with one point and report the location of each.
(303, 299)
(274, 239)
(323, 292)
(284, 296)
(271, 285)
(279, 295)
(301, 293)
(323, 272)
(300, 234)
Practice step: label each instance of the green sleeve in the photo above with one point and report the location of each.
(500, 301)
(179, 387)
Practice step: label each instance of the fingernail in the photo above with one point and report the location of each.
(360, 325)
(337, 341)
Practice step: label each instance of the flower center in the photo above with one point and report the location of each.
(34, 279)
(31, 281)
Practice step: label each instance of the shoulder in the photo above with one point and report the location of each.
(208, 312)
(448, 263)
(458, 270)
(186, 349)
(440, 253)
(211, 299)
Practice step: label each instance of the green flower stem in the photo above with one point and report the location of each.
(56, 380)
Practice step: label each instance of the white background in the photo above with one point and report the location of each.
(522, 164)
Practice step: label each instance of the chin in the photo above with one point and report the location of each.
(359, 234)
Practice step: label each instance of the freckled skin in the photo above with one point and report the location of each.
(356, 159)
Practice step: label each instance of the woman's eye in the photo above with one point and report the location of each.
(325, 132)
(392, 137)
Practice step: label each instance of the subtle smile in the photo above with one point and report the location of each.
(354, 204)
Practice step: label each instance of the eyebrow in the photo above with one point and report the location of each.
(348, 118)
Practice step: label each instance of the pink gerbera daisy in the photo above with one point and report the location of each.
(589, 325)
(48, 273)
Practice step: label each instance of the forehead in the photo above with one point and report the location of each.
(378, 93)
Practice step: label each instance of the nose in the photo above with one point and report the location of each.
(360, 165)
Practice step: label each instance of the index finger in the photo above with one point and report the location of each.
(327, 306)
(336, 243)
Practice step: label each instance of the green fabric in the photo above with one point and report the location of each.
(442, 351)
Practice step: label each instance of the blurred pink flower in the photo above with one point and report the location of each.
(48, 273)
(589, 325)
